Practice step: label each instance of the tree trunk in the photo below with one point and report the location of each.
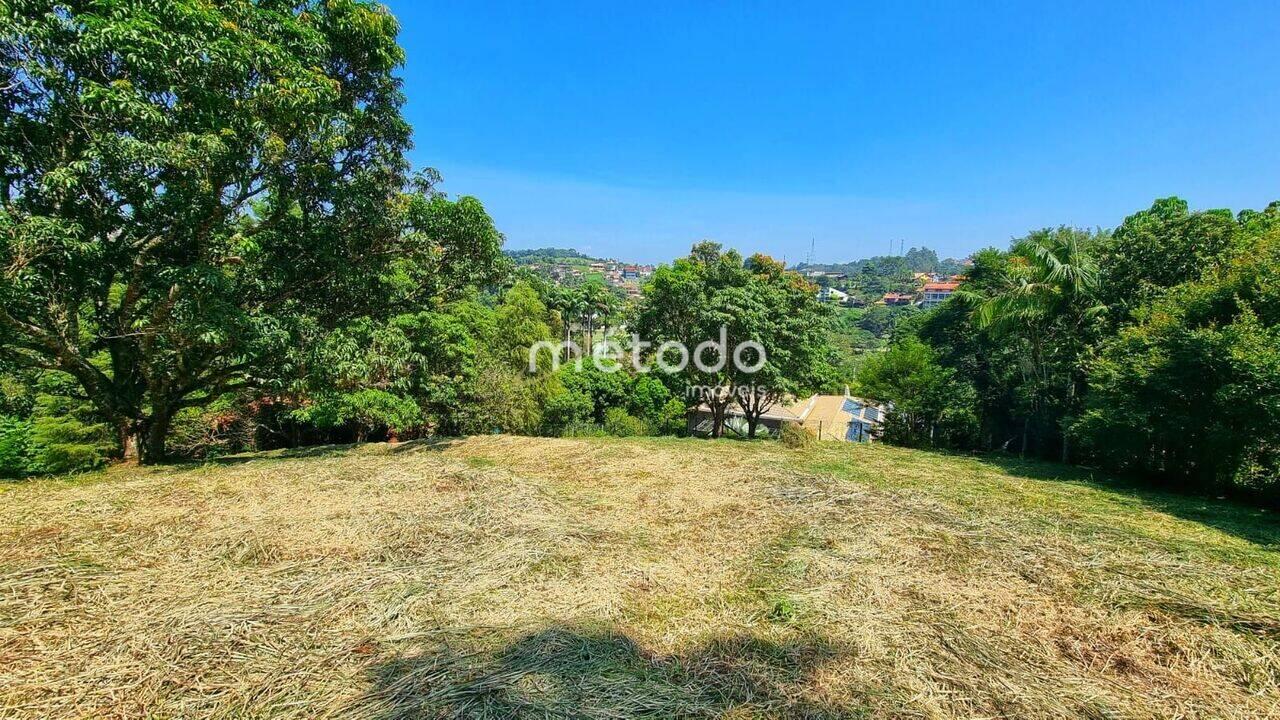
(151, 440)
(128, 440)
(1026, 427)
(752, 422)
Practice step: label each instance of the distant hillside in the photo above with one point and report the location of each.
(550, 255)
(920, 259)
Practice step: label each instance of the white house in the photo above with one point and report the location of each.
(830, 294)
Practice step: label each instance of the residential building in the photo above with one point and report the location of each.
(894, 298)
(936, 293)
(830, 294)
(828, 417)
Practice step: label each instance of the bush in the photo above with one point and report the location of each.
(583, 429)
(500, 400)
(605, 389)
(933, 406)
(795, 437)
(566, 409)
(670, 419)
(365, 410)
(16, 456)
(620, 423)
(66, 438)
(225, 426)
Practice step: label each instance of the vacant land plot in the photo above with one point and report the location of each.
(503, 576)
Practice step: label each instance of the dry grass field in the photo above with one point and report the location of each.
(607, 578)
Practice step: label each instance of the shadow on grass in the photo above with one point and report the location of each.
(572, 672)
(308, 451)
(1248, 522)
(331, 451)
(435, 444)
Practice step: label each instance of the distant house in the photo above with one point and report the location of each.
(829, 417)
(894, 298)
(830, 294)
(630, 272)
(829, 274)
(936, 293)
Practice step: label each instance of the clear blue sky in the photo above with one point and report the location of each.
(634, 129)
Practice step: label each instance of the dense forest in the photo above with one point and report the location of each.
(1153, 349)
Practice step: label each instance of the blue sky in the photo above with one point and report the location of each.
(635, 129)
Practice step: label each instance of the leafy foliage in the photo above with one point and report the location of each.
(713, 295)
(1191, 391)
(932, 405)
(1154, 349)
(16, 456)
(191, 188)
(67, 436)
(620, 423)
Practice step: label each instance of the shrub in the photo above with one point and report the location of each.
(620, 423)
(225, 426)
(566, 409)
(605, 389)
(500, 400)
(365, 410)
(795, 437)
(65, 437)
(583, 429)
(670, 419)
(16, 455)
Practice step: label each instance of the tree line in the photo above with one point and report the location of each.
(211, 240)
(1152, 349)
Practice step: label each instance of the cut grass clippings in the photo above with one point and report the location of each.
(505, 576)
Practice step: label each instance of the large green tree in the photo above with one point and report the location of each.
(185, 184)
(1190, 392)
(1158, 248)
(780, 312)
(684, 303)
(711, 292)
(1044, 303)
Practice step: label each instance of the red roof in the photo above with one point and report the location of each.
(939, 286)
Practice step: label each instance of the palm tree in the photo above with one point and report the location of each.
(1045, 299)
(596, 303)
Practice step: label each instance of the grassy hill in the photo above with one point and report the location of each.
(617, 578)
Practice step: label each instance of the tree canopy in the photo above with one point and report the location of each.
(757, 301)
(1151, 350)
(187, 187)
